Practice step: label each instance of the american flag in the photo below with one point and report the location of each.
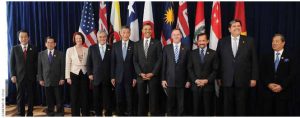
(87, 24)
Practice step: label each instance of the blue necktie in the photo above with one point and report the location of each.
(202, 55)
(124, 51)
(50, 57)
(176, 53)
(277, 60)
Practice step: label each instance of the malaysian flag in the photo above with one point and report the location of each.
(87, 24)
(168, 23)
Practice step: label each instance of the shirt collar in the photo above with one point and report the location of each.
(178, 44)
(203, 49)
(52, 51)
(280, 52)
(147, 38)
(238, 37)
(24, 46)
(104, 46)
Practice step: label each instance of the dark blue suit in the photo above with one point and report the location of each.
(236, 72)
(123, 72)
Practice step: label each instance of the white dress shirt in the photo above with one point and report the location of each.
(72, 61)
(24, 46)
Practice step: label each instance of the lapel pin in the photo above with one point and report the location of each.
(30, 49)
(108, 49)
(282, 57)
(243, 42)
(54, 55)
(207, 53)
(182, 48)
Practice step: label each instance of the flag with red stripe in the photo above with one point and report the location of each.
(103, 17)
(183, 23)
(87, 24)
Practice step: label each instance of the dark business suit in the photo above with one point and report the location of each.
(150, 63)
(203, 96)
(236, 72)
(51, 72)
(276, 104)
(25, 71)
(100, 69)
(123, 72)
(176, 76)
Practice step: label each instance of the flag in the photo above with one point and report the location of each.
(216, 26)
(240, 14)
(103, 17)
(199, 22)
(183, 23)
(133, 22)
(87, 24)
(148, 17)
(115, 20)
(168, 23)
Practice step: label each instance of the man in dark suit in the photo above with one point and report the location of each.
(51, 74)
(202, 68)
(122, 72)
(23, 65)
(98, 65)
(174, 74)
(277, 74)
(238, 69)
(147, 63)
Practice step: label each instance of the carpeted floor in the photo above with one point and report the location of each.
(11, 110)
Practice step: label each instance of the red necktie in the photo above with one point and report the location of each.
(25, 53)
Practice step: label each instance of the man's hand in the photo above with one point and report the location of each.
(14, 79)
(143, 75)
(149, 75)
(271, 86)
(69, 81)
(197, 82)
(133, 82)
(42, 82)
(91, 77)
(164, 84)
(252, 83)
(61, 82)
(187, 85)
(113, 82)
(277, 88)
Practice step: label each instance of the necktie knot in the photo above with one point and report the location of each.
(277, 54)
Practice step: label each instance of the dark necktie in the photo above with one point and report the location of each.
(50, 57)
(202, 56)
(25, 53)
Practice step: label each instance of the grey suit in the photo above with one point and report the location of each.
(51, 72)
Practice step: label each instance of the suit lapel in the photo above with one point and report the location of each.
(228, 43)
(142, 47)
(172, 53)
(181, 51)
(241, 46)
(106, 51)
(98, 52)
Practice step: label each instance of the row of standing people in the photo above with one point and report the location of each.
(148, 66)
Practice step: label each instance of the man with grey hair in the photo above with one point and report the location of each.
(98, 67)
(238, 69)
